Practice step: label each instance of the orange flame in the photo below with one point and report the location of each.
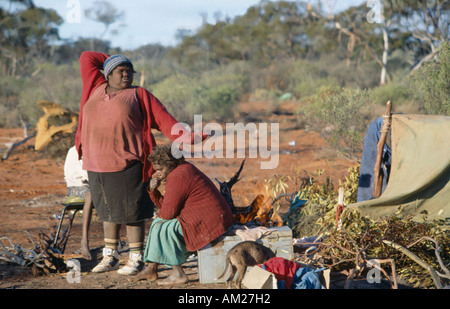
(260, 211)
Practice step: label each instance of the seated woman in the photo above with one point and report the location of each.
(192, 213)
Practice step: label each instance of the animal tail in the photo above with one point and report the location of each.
(227, 262)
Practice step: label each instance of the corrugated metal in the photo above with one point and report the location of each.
(211, 258)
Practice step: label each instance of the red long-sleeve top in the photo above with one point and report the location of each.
(155, 114)
(193, 199)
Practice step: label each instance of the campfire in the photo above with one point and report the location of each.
(259, 212)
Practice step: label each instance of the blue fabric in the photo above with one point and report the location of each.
(296, 202)
(165, 243)
(369, 155)
(305, 278)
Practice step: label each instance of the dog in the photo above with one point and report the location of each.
(246, 253)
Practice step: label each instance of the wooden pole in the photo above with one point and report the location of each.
(378, 173)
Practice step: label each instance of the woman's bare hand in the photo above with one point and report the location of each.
(154, 183)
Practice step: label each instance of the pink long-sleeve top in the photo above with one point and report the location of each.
(154, 114)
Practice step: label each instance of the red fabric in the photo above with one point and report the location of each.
(339, 210)
(193, 199)
(155, 114)
(283, 269)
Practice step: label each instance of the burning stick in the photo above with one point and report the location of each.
(255, 206)
(258, 210)
(225, 189)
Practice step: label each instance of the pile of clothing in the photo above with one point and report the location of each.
(292, 275)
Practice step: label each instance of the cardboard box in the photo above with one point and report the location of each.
(258, 278)
(211, 258)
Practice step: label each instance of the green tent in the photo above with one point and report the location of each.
(420, 170)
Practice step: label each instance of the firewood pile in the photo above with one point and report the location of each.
(352, 246)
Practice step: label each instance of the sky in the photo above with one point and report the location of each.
(151, 21)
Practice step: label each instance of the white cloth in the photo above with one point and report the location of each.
(74, 175)
(253, 233)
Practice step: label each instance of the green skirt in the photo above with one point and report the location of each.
(165, 243)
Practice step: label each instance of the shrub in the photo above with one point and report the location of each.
(10, 101)
(213, 95)
(178, 93)
(396, 92)
(261, 94)
(431, 83)
(18, 97)
(219, 102)
(342, 117)
(307, 77)
(57, 83)
(309, 86)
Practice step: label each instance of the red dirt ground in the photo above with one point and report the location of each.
(32, 187)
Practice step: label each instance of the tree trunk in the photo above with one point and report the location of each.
(384, 58)
(385, 53)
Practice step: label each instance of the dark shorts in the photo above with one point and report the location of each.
(121, 197)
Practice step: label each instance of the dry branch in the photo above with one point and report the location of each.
(437, 251)
(394, 284)
(42, 258)
(11, 147)
(416, 259)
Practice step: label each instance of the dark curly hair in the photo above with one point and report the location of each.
(162, 155)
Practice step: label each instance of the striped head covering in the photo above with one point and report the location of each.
(113, 61)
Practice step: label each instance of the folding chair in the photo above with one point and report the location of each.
(71, 204)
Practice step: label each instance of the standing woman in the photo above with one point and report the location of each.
(114, 138)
